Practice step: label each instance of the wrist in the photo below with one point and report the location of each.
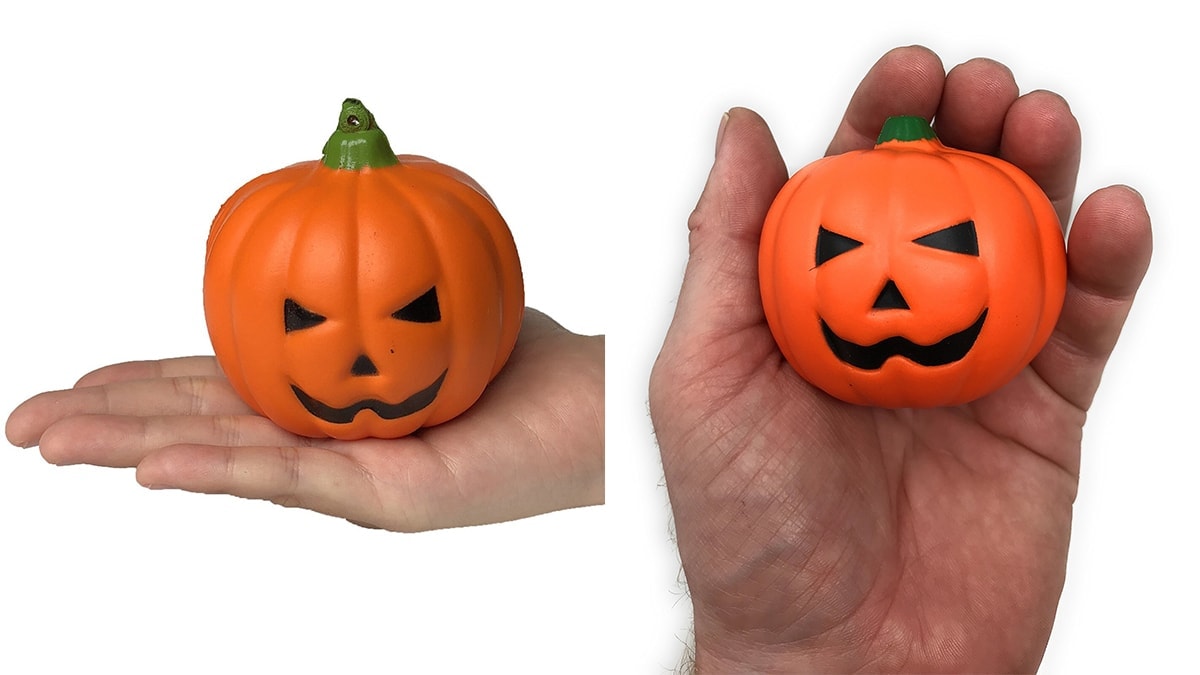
(717, 657)
(719, 650)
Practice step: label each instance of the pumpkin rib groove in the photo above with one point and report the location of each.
(236, 202)
(407, 198)
(243, 265)
(1048, 310)
(232, 365)
(443, 238)
(410, 197)
(1055, 275)
(487, 234)
(965, 167)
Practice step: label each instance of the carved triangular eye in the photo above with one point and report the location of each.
(424, 309)
(296, 317)
(831, 244)
(958, 238)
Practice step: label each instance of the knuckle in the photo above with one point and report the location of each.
(290, 476)
(190, 392)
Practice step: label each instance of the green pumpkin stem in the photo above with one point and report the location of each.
(906, 128)
(358, 143)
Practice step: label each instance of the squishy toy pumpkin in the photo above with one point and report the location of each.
(911, 274)
(362, 294)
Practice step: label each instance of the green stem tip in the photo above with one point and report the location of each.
(906, 128)
(358, 143)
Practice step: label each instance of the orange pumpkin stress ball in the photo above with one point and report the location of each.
(911, 274)
(364, 294)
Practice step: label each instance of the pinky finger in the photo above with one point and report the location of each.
(1108, 252)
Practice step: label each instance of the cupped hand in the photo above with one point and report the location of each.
(821, 536)
(533, 443)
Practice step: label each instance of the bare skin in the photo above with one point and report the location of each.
(533, 443)
(818, 536)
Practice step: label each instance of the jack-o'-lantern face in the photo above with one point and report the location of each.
(422, 310)
(911, 275)
(959, 238)
(369, 300)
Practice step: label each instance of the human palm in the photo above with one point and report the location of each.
(533, 443)
(818, 535)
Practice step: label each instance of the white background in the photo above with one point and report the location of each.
(592, 126)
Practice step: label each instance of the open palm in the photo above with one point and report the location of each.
(533, 443)
(817, 535)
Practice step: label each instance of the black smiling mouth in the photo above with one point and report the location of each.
(387, 411)
(947, 350)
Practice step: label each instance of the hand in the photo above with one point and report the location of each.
(533, 443)
(821, 536)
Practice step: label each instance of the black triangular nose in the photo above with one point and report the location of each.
(890, 297)
(363, 366)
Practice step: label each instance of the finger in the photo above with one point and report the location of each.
(124, 441)
(975, 101)
(719, 293)
(1108, 253)
(718, 336)
(174, 396)
(1041, 136)
(905, 81)
(312, 478)
(187, 366)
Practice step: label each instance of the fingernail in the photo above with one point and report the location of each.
(721, 133)
(1134, 190)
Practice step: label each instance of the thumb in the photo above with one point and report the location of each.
(720, 295)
